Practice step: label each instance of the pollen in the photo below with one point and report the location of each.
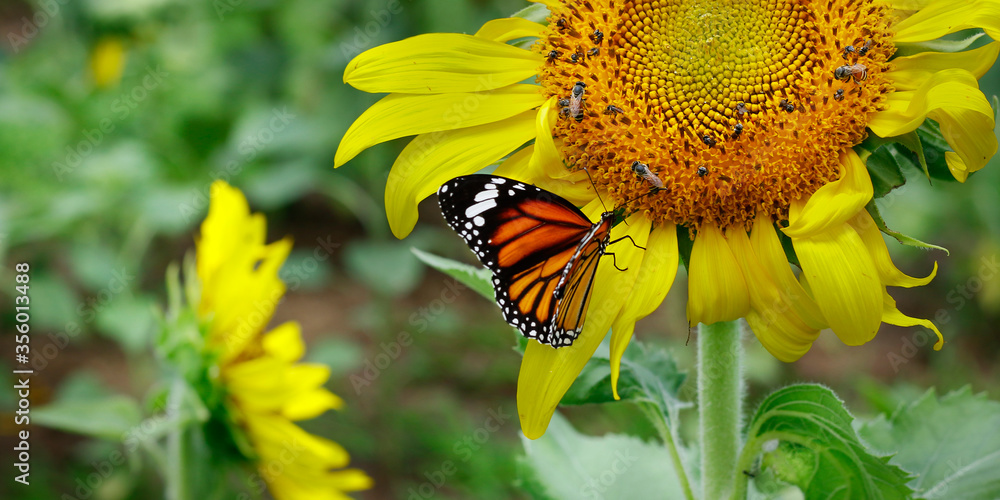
(737, 107)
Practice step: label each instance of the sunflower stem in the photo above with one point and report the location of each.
(659, 421)
(177, 477)
(720, 405)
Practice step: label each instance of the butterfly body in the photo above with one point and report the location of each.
(542, 250)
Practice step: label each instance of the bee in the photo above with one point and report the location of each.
(574, 57)
(553, 54)
(858, 71)
(787, 106)
(864, 49)
(613, 110)
(642, 170)
(839, 95)
(597, 36)
(741, 109)
(576, 101)
(561, 23)
(594, 51)
(737, 130)
(708, 140)
(848, 51)
(702, 171)
(564, 103)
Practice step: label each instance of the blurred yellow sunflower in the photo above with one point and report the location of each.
(267, 388)
(748, 112)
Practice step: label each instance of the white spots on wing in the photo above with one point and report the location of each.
(499, 180)
(444, 189)
(519, 186)
(489, 186)
(478, 208)
(468, 225)
(479, 221)
(510, 192)
(487, 194)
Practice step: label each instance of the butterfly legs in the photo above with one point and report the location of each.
(613, 261)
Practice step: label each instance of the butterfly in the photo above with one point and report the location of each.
(542, 250)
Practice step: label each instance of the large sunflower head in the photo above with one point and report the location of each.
(738, 124)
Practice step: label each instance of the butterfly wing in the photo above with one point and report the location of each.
(577, 282)
(542, 251)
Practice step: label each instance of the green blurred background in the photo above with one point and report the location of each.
(104, 180)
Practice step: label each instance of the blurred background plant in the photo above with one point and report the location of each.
(115, 117)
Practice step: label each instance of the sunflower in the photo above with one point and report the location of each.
(749, 112)
(267, 388)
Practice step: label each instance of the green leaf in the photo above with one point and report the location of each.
(647, 374)
(684, 244)
(883, 168)
(935, 146)
(564, 464)
(535, 12)
(478, 279)
(940, 45)
(900, 237)
(108, 417)
(911, 141)
(951, 443)
(817, 448)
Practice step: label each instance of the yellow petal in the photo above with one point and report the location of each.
(786, 340)
(888, 273)
(553, 5)
(241, 297)
(910, 72)
(440, 62)
(547, 167)
(952, 98)
(430, 160)
(576, 188)
(227, 228)
(892, 316)
(311, 404)
(546, 372)
(659, 267)
(772, 316)
(509, 28)
(284, 342)
(717, 290)
(909, 5)
(771, 257)
(547, 158)
(941, 17)
(293, 484)
(836, 202)
(843, 280)
(401, 115)
(273, 435)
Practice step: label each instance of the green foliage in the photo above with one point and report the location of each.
(478, 279)
(950, 444)
(566, 465)
(109, 417)
(900, 237)
(648, 375)
(822, 454)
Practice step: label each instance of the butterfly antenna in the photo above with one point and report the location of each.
(595, 188)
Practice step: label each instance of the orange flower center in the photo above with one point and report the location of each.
(736, 107)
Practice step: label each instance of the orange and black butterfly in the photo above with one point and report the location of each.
(543, 251)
